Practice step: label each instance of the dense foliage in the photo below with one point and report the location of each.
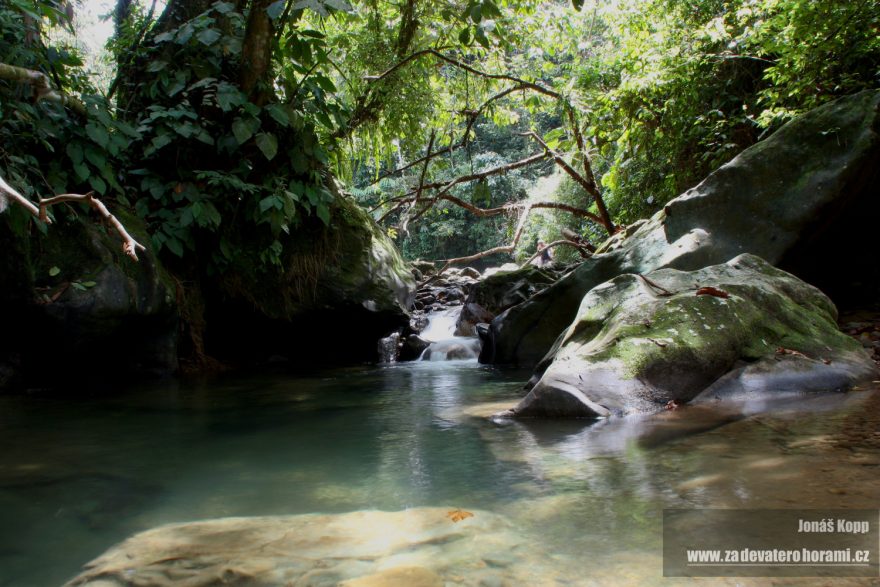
(227, 120)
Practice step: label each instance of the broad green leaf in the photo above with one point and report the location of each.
(156, 65)
(184, 34)
(244, 129)
(160, 141)
(279, 113)
(275, 9)
(75, 152)
(268, 144)
(54, 271)
(229, 96)
(98, 134)
(323, 213)
(175, 246)
(339, 5)
(313, 5)
(97, 184)
(82, 171)
(268, 202)
(208, 36)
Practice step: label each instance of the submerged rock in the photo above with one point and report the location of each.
(416, 547)
(741, 328)
(793, 199)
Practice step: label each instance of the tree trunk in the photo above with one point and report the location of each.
(256, 54)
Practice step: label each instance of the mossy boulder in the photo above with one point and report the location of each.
(90, 311)
(638, 343)
(345, 284)
(803, 199)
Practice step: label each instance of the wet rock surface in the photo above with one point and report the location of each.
(412, 548)
(819, 168)
(739, 330)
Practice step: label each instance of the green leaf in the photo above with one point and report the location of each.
(323, 213)
(161, 140)
(577, 4)
(339, 5)
(208, 36)
(244, 129)
(224, 7)
(157, 65)
(98, 184)
(228, 96)
(54, 271)
(313, 5)
(75, 152)
(480, 36)
(279, 113)
(268, 202)
(82, 171)
(275, 9)
(325, 83)
(184, 34)
(268, 144)
(98, 134)
(175, 246)
(89, 283)
(464, 37)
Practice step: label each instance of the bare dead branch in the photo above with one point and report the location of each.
(421, 184)
(10, 193)
(473, 116)
(584, 250)
(42, 86)
(461, 65)
(129, 245)
(526, 209)
(587, 184)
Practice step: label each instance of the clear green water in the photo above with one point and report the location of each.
(79, 475)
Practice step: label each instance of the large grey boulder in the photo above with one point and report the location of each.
(638, 343)
(790, 199)
(497, 292)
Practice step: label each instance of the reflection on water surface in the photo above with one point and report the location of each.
(77, 476)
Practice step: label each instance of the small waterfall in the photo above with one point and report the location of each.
(445, 346)
(389, 348)
(441, 325)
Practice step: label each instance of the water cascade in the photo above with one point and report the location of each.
(445, 346)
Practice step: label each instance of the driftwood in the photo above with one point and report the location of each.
(7, 193)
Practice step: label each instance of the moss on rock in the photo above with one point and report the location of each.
(639, 343)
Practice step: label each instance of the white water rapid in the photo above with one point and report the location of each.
(445, 346)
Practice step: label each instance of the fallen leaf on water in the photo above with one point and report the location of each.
(459, 515)
(712, 291)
